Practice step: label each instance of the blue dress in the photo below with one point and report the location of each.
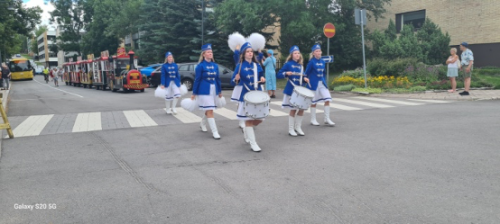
(290, 66)
(170, 72)
(316, 73)
(270, 65)
(247, 77)
(207, 85)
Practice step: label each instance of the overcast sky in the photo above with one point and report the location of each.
(45, 7)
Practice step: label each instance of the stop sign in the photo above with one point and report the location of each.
(329, 30)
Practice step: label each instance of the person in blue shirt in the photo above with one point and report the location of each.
(244, 75)
(171, 80)
(207, 87)
(316, 73)
(292, 70)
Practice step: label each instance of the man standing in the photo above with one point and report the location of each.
(5, 76)
(467, 66)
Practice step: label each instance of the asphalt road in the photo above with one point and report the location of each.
(432, 163)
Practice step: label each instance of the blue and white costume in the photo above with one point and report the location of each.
(235, 96)
(207, 85)
(246, 79)
(296, 68)
(316, 73)
(171, 80)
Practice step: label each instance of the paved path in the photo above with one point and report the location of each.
(444, 95)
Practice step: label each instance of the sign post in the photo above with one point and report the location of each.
(329, 31)
(360, 19)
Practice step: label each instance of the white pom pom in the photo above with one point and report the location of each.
(160, 93)
(183, 90)
(189, 104)
(257, 41)
(220, 102)
(234, 40)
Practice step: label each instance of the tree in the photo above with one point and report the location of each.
(69, 16)
(434, 44)
(124, 20)
(13, 23)
(34, 44)
(97, 39)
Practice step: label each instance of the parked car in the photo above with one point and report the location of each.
(187, 73)
(146, 71)
(39, 70)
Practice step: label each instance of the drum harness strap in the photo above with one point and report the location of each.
(301, 75)
(255, 76)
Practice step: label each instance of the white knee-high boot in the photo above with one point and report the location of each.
(242, 124)
(213, 127)
(245, 135)
(203, 123)
(251, 137)
(291, 126)
(327, 116)
(174, 103)
(167, 107)
(313, 117)
(298, 125)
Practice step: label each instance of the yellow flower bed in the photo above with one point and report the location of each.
(385, 82)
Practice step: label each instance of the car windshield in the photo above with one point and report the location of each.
(19, 66)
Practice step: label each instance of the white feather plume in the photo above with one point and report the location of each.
(160, 93)
(257, 41)
(189, 104)
(220, 102)
(183, 89)
(234, 40)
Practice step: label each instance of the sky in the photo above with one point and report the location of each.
(45, 7)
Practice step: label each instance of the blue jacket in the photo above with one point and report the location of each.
(207, 73)
(236, 57)
(316, 72)
(260, 56)
(290, 66)
(247, 77)
(170, 72)
(270, 65)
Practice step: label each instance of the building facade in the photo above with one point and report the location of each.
(474, 22)
(45, 56)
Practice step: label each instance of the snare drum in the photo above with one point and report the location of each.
(301, 98)
(256, 104)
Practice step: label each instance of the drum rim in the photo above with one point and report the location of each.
(295, 90)
(257, 92)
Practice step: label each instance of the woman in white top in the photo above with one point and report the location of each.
(453, 65)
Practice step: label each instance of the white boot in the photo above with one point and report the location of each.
(203, 123)
(327, 116)
(167, 107)
(251, 137)
(174, 103)
(298, 125)
(291, 126)
(245, 135)
(242, 124)
(213, 127)
(313, 117)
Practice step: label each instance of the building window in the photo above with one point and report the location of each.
(416, 18)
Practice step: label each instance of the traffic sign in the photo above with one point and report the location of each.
(329, 30)
(327, 58)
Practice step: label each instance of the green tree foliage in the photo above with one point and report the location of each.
(14, 23)
(428, 44)
(69, 16)
(96, 37)
(125, 18)
(38, 31)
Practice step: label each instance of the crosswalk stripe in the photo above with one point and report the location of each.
(88, 122)
(229, 114)
(376, 105)
(139, 118)
(186, 117)
(343, 107)
(430, 101)
(32, 126)
(388, 101)
(277, 113)
(318, 111)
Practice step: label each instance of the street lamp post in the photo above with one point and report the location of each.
(202, 22)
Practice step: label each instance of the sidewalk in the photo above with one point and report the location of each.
(444, 95)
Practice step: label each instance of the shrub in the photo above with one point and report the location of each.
(367, 90)
(397, 67)
(348, 87)
(356, 73)
(418, 89)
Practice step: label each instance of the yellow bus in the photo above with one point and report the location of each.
(21, 68)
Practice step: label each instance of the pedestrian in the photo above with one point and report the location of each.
(54, 76)
(293, 71)
(245, 75)
(235, 96)
(453, 63)
(468, 63)
(171, 80)
(60, 73)
(270, 65)
(46, 74)
(316, 73)
(206, 87)
(5, 76)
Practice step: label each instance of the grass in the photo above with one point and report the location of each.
(344, 87)
(367, 90)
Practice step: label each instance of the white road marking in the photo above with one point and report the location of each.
(32, 126)
(277, 113)
(388, 101)
(229, 114)
(376, 105)
(431, 101)
(58, 89)
(186, 117)
(139, 118)
(88, 122)
(343, 107)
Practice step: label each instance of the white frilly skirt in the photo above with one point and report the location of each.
(207, 102)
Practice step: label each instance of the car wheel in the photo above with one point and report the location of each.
(188, 83)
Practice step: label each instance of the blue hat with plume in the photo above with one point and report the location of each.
(316, 47)
(244, 47)
(294, 48)
(168, 54)
(206, 47)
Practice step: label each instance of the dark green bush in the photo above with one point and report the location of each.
(397, 67)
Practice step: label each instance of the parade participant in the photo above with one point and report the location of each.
(207, 87)
(171, 80)
(316, 73)
(235, 96)
(244, 75)
(292, 70)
